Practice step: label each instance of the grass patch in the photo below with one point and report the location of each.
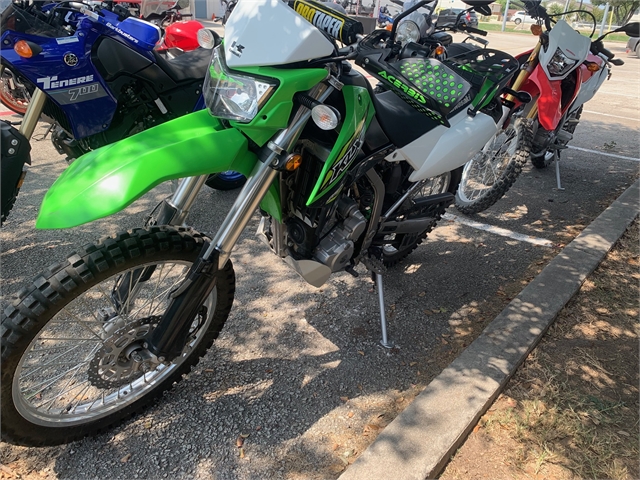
(571, 411)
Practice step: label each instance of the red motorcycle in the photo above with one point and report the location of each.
(562, 73)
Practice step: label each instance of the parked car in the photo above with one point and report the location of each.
(633, 45)
(520, 17)
(448, 17)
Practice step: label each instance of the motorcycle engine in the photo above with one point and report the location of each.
(65, 144)
(336, 249)
(327, 233)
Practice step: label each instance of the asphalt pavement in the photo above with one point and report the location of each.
(300, 369)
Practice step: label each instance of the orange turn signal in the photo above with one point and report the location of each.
(536, 30)
(593, 67)
(388, 27)
(23, 49)
(439, 50)
(293, 162)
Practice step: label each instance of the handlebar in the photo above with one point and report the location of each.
(536, 10)
(598, 47)
(467, 28)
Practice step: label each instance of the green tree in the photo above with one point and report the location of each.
(622, 9)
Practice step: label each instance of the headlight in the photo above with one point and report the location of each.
(407, 32)
(412, 28)
(232, 96)
(560, 64)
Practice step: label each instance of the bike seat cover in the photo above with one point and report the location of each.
(188, 66)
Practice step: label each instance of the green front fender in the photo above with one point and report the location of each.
(106, 180)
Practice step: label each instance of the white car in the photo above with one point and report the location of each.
(520, 17)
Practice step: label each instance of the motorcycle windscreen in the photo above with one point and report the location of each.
(157, 7)
(105, 181)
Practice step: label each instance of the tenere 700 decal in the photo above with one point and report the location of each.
(406, 89)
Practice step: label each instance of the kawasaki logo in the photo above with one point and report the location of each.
(406, 89)
(53, 82)
(320, 19)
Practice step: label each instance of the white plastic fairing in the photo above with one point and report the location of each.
(268, 32)
(589, 88)
(573, 45)
(444, 149)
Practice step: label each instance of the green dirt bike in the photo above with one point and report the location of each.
(342, 176)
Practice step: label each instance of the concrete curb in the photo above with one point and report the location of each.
(420, 441)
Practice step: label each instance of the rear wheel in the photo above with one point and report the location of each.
(397, 247)
(9, 194)
(492, 172)
(547, 155)
(73, 356)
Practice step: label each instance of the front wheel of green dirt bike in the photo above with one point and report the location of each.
(72, 362)
(492, 172)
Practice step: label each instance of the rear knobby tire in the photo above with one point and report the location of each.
(53, 326)
(8, 197)
(543, 160)
(485, 180)
(396, 248)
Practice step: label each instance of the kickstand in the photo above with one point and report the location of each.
(383, 319)
(557, 159)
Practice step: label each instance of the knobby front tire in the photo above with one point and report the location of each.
(488, 176)
(68, 366)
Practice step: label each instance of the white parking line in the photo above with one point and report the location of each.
(609, 115)
(605, 154)
(503, 232)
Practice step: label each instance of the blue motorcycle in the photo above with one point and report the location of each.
(95, 75)
(384, 17)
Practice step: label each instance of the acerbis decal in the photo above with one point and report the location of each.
(406, 89)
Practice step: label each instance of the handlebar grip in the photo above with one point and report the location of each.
(477, 31)
(598, 47)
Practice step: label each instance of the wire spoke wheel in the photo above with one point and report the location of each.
(396, 247)
(62, 376)
(491, 172)
(87, 365)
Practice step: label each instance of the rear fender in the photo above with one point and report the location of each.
(104, 181)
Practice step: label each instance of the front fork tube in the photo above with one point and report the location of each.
(34, 109)
(174, 210)
(523, 76)
(167, 340)
(32, 115)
